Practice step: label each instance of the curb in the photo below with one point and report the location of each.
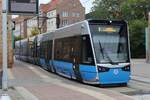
(141, 79)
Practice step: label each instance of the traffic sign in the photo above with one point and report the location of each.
(17, 7)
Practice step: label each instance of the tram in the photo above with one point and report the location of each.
(91, 51)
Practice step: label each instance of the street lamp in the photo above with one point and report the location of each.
(4, 33)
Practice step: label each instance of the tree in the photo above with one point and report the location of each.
(17, 38)
(107, 9)
(134, 11)
(35, 31)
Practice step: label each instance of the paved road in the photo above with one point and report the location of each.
(34, 83)
(30, 82)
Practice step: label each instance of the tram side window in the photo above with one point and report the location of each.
(29, 49)
(35, 49)
(63, 49)
(87, 54)
(42, 49)
(49, 49)
(66, 49)
(58, 47)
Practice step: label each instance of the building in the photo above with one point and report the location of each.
(31, 23)
(9, 40)
(51, 14)
(69, 11)
(42, 19)
(24, 24)
(21, 26)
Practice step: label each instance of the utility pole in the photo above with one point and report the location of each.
(148, 40)
(4, 34)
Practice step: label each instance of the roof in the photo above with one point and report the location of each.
(44, 7)
(52, 5)
(21, 18)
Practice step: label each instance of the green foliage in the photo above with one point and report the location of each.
(35, 31)
(17, 38)
(137, 38)
(134, 11)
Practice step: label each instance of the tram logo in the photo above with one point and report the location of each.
(116, 71)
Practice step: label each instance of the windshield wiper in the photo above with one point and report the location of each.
(102, 52)
(101, 49)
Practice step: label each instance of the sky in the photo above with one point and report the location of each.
(86, 3)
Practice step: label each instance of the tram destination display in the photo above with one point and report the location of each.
(23, 7)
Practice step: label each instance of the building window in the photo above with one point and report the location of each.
(78, 14)
(51, 22)
(65, 22)
(52, 13)
(74, 5)
(65, 14)
(75, 14)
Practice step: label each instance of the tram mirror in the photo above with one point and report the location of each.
(84, 38)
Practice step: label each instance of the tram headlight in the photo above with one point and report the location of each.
(126, 68)
(102, 69)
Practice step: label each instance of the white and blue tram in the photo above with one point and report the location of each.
(91, 51)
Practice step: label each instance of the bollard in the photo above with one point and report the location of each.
(5, 97)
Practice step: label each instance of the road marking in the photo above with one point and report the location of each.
(38, 72)
(26, 94)
(97, 95)
(94, 94)
(10, 74)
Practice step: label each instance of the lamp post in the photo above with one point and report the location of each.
(4, 36)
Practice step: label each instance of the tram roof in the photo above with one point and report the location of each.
(72, 30)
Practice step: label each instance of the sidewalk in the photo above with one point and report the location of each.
(140, 70)
(32, 83)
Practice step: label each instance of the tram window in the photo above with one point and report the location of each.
(67, 49)
(49, 49)
(63, 49)
(58, 46)
(87, 54)
(42, 49)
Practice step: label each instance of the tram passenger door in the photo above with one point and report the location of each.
(76, 57)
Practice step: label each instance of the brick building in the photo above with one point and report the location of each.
(70, 11)
(10, 50)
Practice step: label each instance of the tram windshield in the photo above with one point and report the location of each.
(110, 43)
